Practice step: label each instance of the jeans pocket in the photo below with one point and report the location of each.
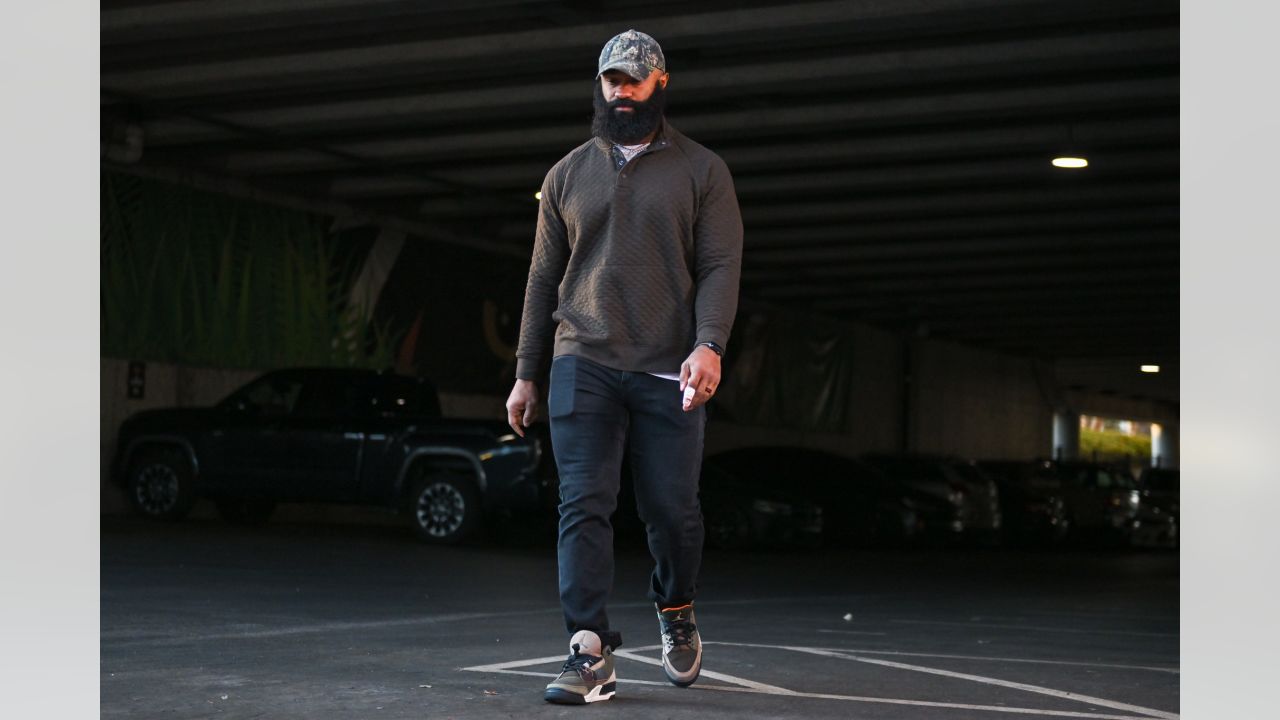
(564, 376)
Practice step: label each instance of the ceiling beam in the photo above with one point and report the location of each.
(972, 61)
(796, 117)
(964, 247)
(860, 151)
(959, 204)
(674, 30)
(909, 230)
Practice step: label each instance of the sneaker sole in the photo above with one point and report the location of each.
(675, 679)
(565, 697)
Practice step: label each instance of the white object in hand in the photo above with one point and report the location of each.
(688, 394)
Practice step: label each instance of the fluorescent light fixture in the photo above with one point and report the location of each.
(537, 195)
(1070, 162)
(1151, 368)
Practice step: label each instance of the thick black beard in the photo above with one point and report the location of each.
(628, 128)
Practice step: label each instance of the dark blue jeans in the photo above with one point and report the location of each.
(596, 414)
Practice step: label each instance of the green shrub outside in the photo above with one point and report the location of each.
(1113, 445)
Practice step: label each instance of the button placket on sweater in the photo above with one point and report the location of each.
(624, 166)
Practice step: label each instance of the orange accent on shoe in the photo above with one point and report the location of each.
(682, 607)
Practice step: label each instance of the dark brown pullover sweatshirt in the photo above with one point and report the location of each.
(632, 267)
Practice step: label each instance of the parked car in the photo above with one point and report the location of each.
(1031, 503)
(941, 494)
(1159, 488)
(1102, 500)
(738, 512)
(1158, 516)
(816, 496)
(745, 511)
(342, 436)
(986, 520)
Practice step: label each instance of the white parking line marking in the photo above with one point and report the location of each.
(757, 686)
(531, 673)
(847, 698)
(129, 637)
(328, 627)
(996, 681)
(855, 698)
(1035, 628)
(962, 706)
(505, 666)
(852, 632)
(750, 686)
(859, 651)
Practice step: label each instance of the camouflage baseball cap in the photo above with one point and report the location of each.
(634, 53)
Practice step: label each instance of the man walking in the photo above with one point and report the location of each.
(632, 292)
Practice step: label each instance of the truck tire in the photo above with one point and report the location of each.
(161, 483)
(444, 507)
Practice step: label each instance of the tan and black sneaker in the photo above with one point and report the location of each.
(587, 676)
(681, 647)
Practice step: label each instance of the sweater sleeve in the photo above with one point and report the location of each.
(546, 270)
(717, 256)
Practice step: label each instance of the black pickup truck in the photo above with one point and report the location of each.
(330, 435)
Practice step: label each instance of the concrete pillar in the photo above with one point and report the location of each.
(1066, 435)
(1164, 445)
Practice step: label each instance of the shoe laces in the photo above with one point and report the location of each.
(678, 633)
(580, 663)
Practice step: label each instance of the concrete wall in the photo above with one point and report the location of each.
(964, 401)
(875, 397)
(977, 403)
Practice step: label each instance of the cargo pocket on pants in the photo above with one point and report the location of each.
(564, 378)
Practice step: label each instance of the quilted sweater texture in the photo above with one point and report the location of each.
(632, 267)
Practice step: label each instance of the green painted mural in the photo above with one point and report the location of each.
(194, 277)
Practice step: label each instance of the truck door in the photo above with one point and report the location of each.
(322, 440)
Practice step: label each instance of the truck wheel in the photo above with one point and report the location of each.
(444, 508)
(161, 483)
(247, 512)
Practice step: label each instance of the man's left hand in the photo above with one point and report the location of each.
(701, 371)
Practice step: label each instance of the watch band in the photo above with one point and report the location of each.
(714, 347)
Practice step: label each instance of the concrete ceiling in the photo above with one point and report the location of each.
(891, 156)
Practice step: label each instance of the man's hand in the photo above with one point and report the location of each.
(700, 371)
(522, 405)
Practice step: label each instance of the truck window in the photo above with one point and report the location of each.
(332, 397)
(270, 396)
(407, 397)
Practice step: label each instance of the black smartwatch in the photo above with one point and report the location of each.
(714, 347)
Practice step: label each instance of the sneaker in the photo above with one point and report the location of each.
(587, 676)
(681, 648)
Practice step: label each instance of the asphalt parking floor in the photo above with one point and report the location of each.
(324, 620)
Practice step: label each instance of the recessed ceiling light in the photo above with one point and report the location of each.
(1070, 162)
(1151, 368)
